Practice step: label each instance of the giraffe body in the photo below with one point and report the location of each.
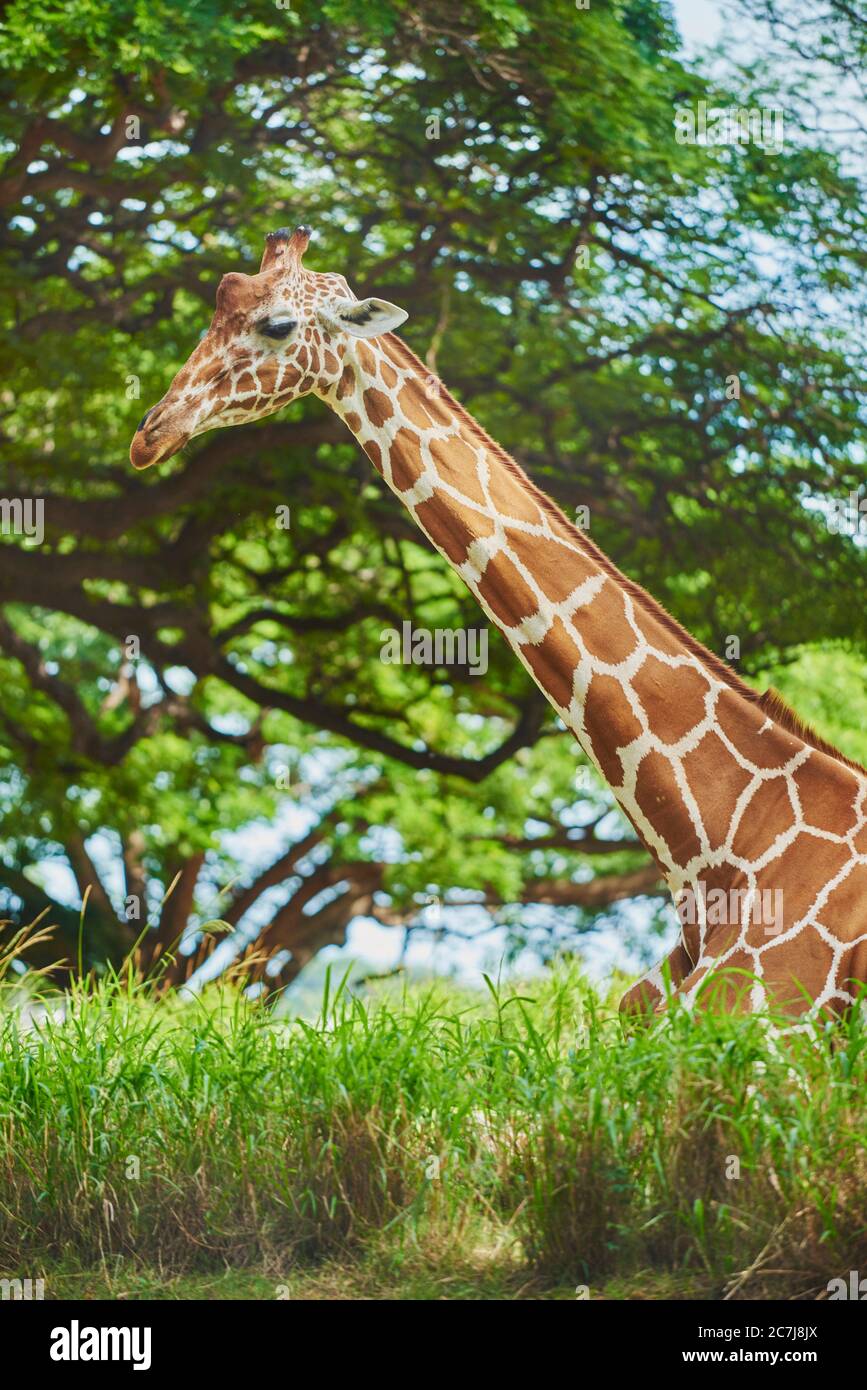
(758, 827)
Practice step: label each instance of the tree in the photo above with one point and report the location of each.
(669, 335)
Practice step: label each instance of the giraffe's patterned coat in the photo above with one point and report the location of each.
(727, 790)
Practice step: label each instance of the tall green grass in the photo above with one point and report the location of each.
(193, 1135)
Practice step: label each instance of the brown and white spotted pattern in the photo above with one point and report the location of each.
(725, 788)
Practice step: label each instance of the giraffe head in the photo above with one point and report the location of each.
(275, 336)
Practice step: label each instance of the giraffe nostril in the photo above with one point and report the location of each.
(141, 424)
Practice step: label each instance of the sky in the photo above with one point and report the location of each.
(701, 23)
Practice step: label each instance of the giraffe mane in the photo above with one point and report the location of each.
(770, 701)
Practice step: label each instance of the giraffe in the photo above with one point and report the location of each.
(758, 827)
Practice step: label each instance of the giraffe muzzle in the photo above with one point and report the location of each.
(151, 444)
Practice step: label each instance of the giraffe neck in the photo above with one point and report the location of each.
(684, 745)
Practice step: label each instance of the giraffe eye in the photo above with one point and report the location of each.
(277, 328)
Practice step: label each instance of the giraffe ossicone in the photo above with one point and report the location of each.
(740, 804)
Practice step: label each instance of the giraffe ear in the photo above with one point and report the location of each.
(365, 318)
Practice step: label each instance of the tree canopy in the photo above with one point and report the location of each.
(667, 334)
